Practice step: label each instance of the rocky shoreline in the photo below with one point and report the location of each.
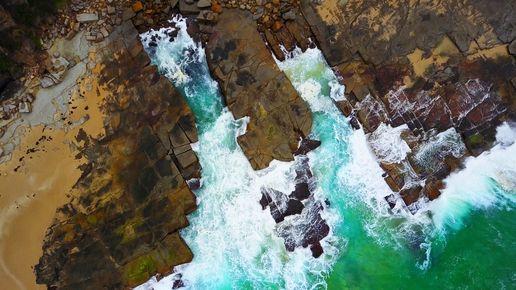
(433, 81)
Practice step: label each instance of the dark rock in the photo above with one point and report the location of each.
(194, 184)
(301, 191)
(512, 48)
(204, 3)
(188, 7)
(391, 200)
(178, 284)
(316, 249)
(294, 206)
(306, 146)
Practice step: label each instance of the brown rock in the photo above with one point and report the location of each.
(277, 25)
(122, 226)
(137, 6)
(254, 86)
(216, 7)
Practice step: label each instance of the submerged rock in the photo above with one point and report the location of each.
(297, 216)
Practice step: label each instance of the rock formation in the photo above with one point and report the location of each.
(428, 81)
(122, 225)
(431, 65)
(254, 86)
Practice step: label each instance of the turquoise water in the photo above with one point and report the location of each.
(465, 239)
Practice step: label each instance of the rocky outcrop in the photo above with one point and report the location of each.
(253, 86)
(434, 66)
(305, 227)
(122, 224)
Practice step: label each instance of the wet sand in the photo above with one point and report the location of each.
(34, 184)
(29, 198)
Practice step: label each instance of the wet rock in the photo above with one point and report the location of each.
(277, 202)
(310, 223)
(306, 146)
(433, 188)
(278, 116)
(317, 250)
(391, 200)
(301, 191)
(294, 206)
(411, 194)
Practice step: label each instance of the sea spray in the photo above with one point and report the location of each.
(370, 246)
(235, 243)
(487, 180)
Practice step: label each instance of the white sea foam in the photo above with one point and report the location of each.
(387, 144)
(234, 241)
(337, 91)
(486, 180)
(506, 133)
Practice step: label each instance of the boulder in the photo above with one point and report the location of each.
(203, 3)
(188, 7)
(87, 17)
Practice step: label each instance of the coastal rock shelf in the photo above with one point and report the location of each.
(430, 65)
(122, 224)
(253, 86)
(321, 137)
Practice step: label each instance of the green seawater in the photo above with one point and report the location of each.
(465, 239)
(478, 253)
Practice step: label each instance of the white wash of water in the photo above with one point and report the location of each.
(487, 180)
(234, 241)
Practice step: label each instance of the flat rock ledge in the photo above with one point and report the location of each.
(122, 224)
(254, 86)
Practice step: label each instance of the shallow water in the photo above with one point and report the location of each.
(463, 239)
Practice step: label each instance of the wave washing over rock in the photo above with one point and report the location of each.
(237, 244)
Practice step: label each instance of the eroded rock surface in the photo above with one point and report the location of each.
(253, 86)
(435, 66)
(122, 224)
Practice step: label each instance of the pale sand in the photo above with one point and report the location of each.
(30, 196)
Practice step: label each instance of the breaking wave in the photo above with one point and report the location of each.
(236, 244)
